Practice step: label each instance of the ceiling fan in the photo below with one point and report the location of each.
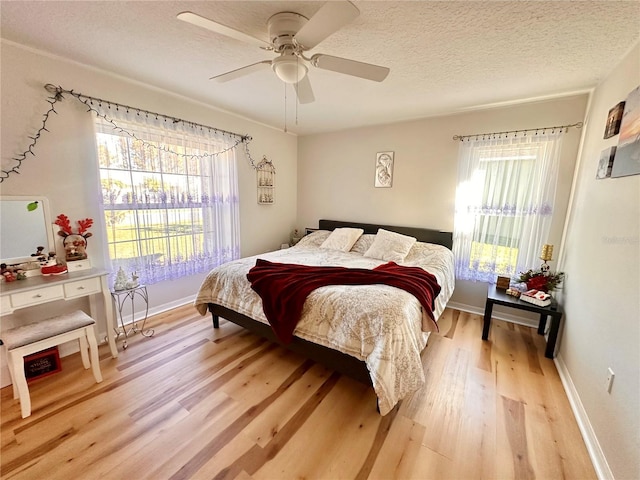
(291, 35)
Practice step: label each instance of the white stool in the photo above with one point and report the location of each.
(34, 337)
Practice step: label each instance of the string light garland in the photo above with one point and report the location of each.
(34, 140)
(494, 135)
(57, 95)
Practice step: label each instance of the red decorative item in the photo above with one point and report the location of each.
(42, 364)
(537, 283)
(75, 244)
(9, 276)
(53, 270)
(63, 222)
(84, 225)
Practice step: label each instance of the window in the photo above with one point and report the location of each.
(504, 203)
(170, 207)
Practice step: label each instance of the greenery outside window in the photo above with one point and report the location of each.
(170, 207)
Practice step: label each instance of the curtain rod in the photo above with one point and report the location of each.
(559, 127)
(58, 91)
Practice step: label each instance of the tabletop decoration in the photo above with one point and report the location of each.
(75, 244)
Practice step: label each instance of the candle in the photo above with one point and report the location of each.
(547, 252)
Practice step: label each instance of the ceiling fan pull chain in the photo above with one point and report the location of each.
(285, 107)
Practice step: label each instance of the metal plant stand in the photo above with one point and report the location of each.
(121, 297)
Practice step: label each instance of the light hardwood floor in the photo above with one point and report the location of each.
(192, 402)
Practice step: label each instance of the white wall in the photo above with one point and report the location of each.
(602, 292)
(65, 169)
(336, 171)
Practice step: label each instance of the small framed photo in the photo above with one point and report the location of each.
(384, 170)
(628, 151)
(606, 163)
(614, 119)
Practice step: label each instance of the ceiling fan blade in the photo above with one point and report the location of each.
(203, 22)
(304, 90)
(240, 72)
(331, 17)
(350, 67)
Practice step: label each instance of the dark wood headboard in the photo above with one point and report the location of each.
(421, 234)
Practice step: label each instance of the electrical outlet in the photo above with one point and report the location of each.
(610, 376)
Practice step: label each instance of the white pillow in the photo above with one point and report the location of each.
(342, 239)
(314, 239)
(390, 246)
(363, 243)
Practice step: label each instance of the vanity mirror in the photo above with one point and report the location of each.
(25, 225)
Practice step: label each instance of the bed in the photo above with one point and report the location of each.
(373, 333)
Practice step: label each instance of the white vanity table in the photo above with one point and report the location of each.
(38, 290)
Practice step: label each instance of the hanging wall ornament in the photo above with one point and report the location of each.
(266, 178)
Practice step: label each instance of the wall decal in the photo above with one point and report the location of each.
(384, 169)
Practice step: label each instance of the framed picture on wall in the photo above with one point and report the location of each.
(614, 119)
(628, 151)
(384, 169)
(606, 162)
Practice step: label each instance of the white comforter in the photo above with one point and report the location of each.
(375, 323)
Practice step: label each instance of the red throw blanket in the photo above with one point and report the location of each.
(284, 287)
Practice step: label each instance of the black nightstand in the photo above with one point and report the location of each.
(499, 297)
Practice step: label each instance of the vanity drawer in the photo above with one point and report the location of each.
(5, 305)
(78, 265)
(34, 297)
(82, 287)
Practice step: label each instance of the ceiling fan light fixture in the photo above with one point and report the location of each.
(289, 69)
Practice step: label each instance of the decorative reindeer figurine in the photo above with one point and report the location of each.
(75, 244)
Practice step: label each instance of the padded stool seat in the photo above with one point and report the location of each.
(34, 337)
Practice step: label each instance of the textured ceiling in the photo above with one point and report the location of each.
(444, 56)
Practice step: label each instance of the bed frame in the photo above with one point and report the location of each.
(333, 359)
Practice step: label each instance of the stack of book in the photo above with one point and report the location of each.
(537, 297)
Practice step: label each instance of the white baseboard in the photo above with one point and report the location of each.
(527, 322)
(596, 454)
(139, 315)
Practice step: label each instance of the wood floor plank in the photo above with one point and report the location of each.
(197, 403)
(512, 364)
(516, 434)
(431, 465)
(476, 439)
(26, 459)
(447, 405)
(257, 457)
(363, 433)
(448, 323)
(468, 330)
(231, 431)
(162, 453)
(266, 426)
(193, 380)
(400, 451)
(339, 410)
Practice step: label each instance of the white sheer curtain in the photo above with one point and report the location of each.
(504, 203)
(170, 194)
